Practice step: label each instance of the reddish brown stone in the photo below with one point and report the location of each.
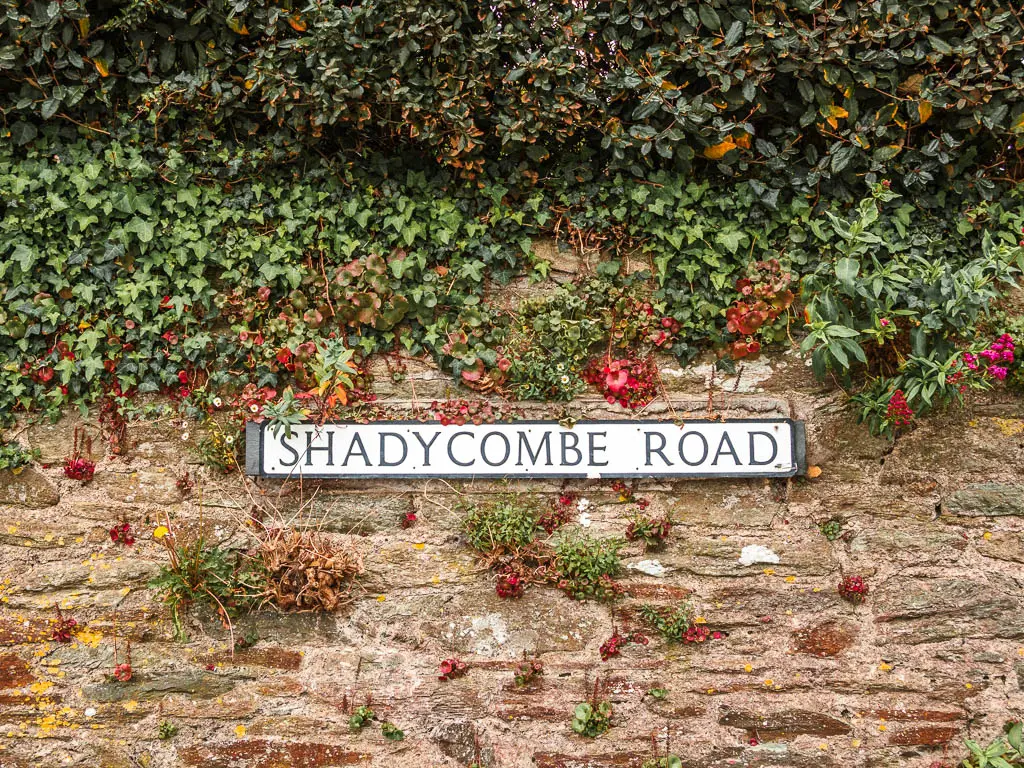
(617, 760)
(14, 671)
(258, 753)
(915, 715)
(776, 726)
(924, 735)
(271, 658)
(14, 632)
(828, 639)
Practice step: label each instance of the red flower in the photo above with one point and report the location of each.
(898, 411)
(451, 668)
(122, 534)
(510, 586)
(853, 589)
(408, 520)
(77, 468)
(123, 672)
(64, 627)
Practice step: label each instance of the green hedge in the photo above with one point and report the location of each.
(808, 95)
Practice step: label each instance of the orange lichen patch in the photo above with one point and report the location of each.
(88, 637)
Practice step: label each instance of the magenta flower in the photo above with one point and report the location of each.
(998, 371)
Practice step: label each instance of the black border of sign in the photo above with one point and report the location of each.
(254, 453)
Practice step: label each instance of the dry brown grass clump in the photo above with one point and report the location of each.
(307, 570)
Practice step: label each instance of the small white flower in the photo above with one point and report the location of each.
(253, 408)
(184, 436)
(229, 440)
(217, 402)
(585, 520)
(583, 504)
(560, 367)
(564, 379)
(90, 711)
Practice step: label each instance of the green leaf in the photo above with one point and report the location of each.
(847, 270)
(22, 132)
(24, 256)
(841, 157)
(49, 108)
(140, 227)
(708, 17)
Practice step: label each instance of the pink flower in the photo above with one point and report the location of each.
(998, 371)
(883, 322)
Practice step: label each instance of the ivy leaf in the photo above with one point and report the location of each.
(730, 239)
(140, 227)
(24, 256)
(23, 133)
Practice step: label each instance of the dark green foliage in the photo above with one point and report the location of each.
(206, 574)
(591, 719)
(507, 524)
(13, 456)
(194, 190)
(1007, 751)
(360, 718)
(586, 566)
(804, 95)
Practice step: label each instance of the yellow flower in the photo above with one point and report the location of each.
(160, 532)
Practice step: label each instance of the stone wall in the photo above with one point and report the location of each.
(801, 678)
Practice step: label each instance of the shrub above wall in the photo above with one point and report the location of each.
(197, 198)
(807, 95)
